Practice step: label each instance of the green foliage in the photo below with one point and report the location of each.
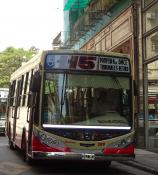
(10, 60)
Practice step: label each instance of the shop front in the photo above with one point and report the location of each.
(151, 104)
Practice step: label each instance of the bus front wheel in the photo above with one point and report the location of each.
(11, 146)
(10, 142)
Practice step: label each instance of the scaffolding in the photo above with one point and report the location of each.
(76, 4)
(84, 15)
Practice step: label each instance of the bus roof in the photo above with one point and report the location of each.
(35, 61)
(90, 52)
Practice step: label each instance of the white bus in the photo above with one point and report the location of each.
(3, 105)
(73, 105)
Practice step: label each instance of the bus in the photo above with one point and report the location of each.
(3, 106)
(73, 105)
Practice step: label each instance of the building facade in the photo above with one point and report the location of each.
(126, 26)
(102, 25)
(148, 57)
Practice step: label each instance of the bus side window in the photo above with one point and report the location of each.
(18, 92)
(28, 88)
(12, 93)
(35, 82)
(21, 90)
(25, 88)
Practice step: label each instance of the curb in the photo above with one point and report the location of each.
(141, 167)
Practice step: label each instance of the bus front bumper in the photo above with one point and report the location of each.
(82, 156)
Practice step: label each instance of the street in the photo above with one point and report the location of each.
(11, 163)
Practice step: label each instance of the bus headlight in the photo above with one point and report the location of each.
(122, 143)
(123, 146)
(42, 136)
(50, 141)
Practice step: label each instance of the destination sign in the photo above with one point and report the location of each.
(112, 64)
(87, 62)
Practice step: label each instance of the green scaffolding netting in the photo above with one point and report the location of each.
(76, 4)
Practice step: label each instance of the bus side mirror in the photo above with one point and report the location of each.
(135, 88)
(36, 82)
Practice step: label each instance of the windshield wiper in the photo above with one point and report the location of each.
(63, 93)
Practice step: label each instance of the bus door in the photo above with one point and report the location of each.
(33, 105)
(30, 114)
(16, 109)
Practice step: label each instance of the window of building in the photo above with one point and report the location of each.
(98, 46)
(147, 2)
(151, 17)
(103, 44)
(107, 42)
(152, 45)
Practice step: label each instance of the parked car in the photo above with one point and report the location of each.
(3, 105)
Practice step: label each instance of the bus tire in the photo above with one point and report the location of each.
(27, 159)
(10, 142)
(11, 145)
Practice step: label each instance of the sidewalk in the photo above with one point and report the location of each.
(145, 160)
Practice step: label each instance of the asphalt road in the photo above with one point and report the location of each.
(11, 163)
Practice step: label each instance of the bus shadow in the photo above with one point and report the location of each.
(70, 167)
(61, 167)
(75, 168)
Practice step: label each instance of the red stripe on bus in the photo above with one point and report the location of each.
(38, 146)
(127, 150)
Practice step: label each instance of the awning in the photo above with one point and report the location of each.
(76, 4)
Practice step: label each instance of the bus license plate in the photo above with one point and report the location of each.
(88, 156)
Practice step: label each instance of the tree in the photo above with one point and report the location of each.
(11, 59)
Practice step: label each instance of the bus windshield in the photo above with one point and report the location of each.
(91, 100)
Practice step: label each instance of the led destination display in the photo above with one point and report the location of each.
(88, 62)
(114, 64)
